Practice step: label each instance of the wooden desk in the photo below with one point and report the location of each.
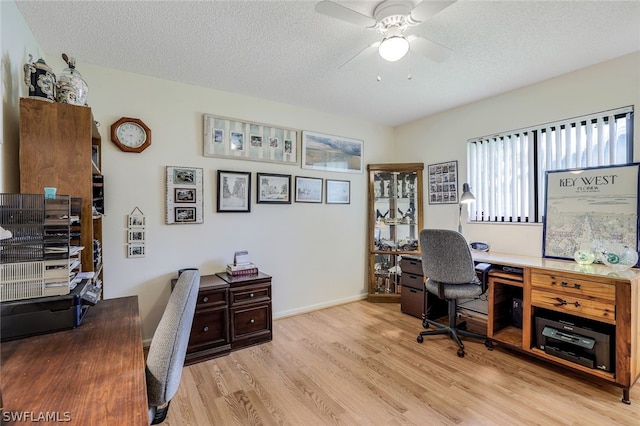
(588, 292)
(91, 375)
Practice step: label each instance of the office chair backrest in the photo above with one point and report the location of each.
(446, 257)
(169, 344)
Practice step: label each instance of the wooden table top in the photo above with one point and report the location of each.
(91, 375)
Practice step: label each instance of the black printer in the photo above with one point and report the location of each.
(41, 315)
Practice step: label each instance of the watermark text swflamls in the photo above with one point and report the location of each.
(36, 416)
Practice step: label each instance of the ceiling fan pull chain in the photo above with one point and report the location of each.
(379, 79)
(409, 76)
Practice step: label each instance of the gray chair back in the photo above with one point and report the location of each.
(446, 257)
(169, 344)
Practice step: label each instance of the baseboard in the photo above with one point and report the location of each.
(316, 307)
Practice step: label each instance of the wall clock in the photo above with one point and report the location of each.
(130, 134)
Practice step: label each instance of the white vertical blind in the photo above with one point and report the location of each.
(506, 172)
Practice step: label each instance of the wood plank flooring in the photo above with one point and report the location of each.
(360, 364)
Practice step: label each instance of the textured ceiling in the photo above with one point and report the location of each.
(284, 51)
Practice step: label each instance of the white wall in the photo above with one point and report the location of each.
(442, 137)
(17, 43)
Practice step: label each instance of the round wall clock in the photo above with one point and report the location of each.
(130, 134)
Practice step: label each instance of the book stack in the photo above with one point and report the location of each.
(242, 269)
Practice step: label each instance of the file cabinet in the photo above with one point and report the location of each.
(413, 297)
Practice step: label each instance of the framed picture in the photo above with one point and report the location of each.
(443, 183)
(185, 214)
(234, 189)
(594, 207)
(338, 191)
(308, 190)
(273, 188)
(136, 221)
(331, 153)
(136, 250)
(244, 140)
(136, 235)
(184, 186)
(185, 195)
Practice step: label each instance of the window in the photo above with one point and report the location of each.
(506, 172)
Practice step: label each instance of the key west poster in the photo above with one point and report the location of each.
(593, 206)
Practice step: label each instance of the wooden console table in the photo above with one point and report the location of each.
(91, 375)
(595, 293)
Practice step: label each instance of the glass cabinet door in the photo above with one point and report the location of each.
(395, 220)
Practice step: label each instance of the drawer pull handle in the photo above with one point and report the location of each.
(251, 295)
(205, 329)
(565, 284)
(564, 302)
(252, 321)
(205, 299)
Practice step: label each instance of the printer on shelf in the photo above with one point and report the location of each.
(588, 343)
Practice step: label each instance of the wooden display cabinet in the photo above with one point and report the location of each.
(60, 147)
(395, 221)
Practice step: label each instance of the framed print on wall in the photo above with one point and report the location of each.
(308, 190)
(234, 192)
(273, 188)
(331, 153)
(443, 183)
(338, 191)
(243, 140)
(184, 195)
(596, 207)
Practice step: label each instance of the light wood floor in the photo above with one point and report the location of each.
(360, 364)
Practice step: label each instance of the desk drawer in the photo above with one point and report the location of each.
(211, 298)
(209, 328)
(412, 281)
(412, 265)
(411, 301)
(251, 294)
(250, 322)
(574, 305)
(572, 287)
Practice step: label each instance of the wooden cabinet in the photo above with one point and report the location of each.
(231, 313)
(596, 297)
(395, 221)
(60, 147)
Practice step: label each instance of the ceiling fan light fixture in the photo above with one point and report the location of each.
(393, 48)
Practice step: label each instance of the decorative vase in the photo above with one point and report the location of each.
(619, 256)
(584, 255)
(72, 89)
(40, 80)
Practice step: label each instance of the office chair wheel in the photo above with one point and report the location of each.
(420, 339)
(489, 344)
(425, 324)
(461, 353)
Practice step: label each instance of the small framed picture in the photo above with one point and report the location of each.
(136, 221)
(256, 141)
(136, 236)
(273, 188)
(308, 190)
(234, 189)
(184, 176)
(237, 141)
(185, 214)
(218, 136)
(338, 191)
(184, 195)
(136, 250)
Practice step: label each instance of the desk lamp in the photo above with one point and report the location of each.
(466, 198)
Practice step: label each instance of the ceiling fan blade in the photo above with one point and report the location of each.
(429, 49)
(427, 8)
(372, 48)
(337, 11)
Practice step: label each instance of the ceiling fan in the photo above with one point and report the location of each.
(391, 18)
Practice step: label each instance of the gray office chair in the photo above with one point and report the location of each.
(451, 275)
(169, 346)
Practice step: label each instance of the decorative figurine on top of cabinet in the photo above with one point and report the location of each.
(40, 80)
(72, 89)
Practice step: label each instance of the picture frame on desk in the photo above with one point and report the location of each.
(594, 207)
